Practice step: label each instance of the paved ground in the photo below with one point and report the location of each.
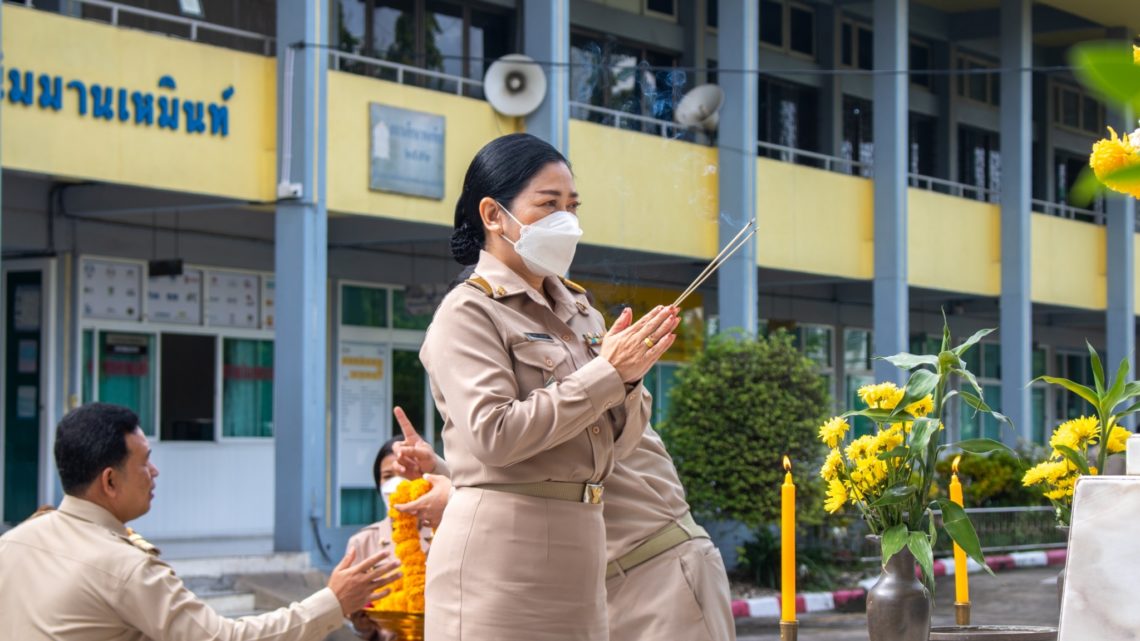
(1025, 597)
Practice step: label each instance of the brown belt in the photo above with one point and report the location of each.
(559, 490)
(669, 537)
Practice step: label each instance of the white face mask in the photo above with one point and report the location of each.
(547, 246)
(387, 488)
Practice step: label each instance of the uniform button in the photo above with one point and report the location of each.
(566, 337)
(549, 363)
(595, 429)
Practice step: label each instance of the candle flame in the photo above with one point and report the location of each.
(787, 463)
(955, 464)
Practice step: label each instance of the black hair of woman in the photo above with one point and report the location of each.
(501, 170)
(387, 449)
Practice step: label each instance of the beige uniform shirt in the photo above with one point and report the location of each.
(72, 575)
(523, 395)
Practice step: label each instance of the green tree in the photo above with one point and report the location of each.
(735, 411)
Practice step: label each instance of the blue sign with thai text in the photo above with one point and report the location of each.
(118, 104)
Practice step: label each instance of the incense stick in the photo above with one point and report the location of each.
(731, 248)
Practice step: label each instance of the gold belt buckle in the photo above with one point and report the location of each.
(593, 493)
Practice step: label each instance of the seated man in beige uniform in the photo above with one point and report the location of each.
(78, 574)
(665, 579)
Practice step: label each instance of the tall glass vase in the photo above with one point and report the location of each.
(898, 605)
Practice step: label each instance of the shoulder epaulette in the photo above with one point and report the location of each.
(480, 283)
(571, 285)
(139, 542)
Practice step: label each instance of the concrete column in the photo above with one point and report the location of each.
(694, 16)
(546, 30)
(1121, 314)
(738, 46)
(1016, 188)
(891, 91)
(301, 266)
(946, 126)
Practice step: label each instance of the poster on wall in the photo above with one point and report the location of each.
(175, 299)
(406, 151)
(234, 299)
(111, 289)
(362, 409)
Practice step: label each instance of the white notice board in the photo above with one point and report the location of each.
(111, 289)
(363, 421)
(175, 299)
(234, 299)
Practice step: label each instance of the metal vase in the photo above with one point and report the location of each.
(898, 605)
(1061, 575)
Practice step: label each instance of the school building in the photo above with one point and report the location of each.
(233, 216)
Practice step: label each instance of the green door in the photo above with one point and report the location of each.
(23, 346)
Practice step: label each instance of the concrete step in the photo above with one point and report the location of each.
(231, 604)
(220, 566)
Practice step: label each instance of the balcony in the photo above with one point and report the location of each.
(193, 29)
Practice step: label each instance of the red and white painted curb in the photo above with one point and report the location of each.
(769, 607)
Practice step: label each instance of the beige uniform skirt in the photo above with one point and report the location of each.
(680, 594)
(507, 567)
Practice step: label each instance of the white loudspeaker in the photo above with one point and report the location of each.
(514, 85)
(700, 107)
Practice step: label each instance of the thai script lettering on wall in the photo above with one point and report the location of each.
(103, 102)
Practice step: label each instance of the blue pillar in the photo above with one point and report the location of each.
(889, 120)
(1121, 314)
(1016, 160)
(738, 46)
(301, 264)
(546, 31)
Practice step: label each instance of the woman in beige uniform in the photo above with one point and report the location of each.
(535, 405)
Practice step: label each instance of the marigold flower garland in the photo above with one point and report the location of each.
(407, 592)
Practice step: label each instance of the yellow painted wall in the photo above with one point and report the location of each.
(645, 192)
(470, 125)
(62, 143)
(813, 221)
(1068, 263)
(954, 243)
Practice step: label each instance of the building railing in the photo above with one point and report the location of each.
(1065, 210)
(951, 188)
(811, 158)
(195, 29)
(627, 120)
(405, 74)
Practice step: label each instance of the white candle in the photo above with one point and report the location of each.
(1132, 463)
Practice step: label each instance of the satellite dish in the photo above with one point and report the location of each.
(700, 107)
(514, 85)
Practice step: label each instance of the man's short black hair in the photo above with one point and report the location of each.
(90, 439)
(386, 449)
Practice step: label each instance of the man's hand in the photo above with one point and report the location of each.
(429, 507)
(414, 457)
(356, 585)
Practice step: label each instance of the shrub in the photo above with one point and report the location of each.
(734, 412)
(993, 480)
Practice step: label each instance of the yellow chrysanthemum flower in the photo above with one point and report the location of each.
(1044, 471)
(921, 408)
(836, 496)
(861, 448)
(890, 438)
(883, 396)
(1117, 439)
(1136, 54)
(831, 466)
(1111, 154)
(833, 432)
